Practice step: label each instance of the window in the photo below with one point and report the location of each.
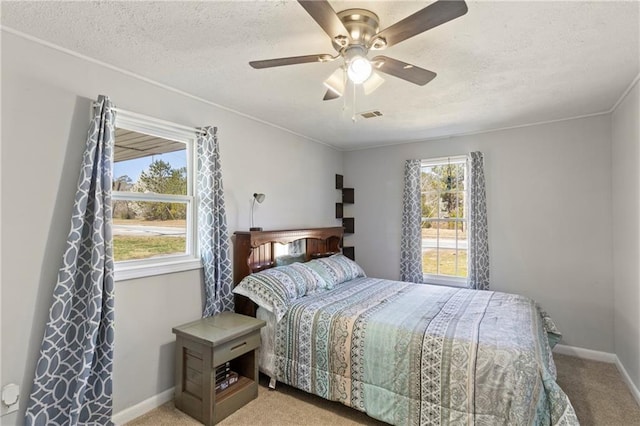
(152, 198)
(444, 220)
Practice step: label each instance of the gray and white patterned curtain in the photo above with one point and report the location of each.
(411, 243)
(212, 226)
(72, 384)
(478, 276)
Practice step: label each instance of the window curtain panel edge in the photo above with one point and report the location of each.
(213, 237)
(478, 274)
(411, 241)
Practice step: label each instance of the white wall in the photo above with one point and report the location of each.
(46, 98)
(549, 198)
(626, 231)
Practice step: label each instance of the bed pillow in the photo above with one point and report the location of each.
(289, 259)
(274, 289)
(313, 282)
(336, 269)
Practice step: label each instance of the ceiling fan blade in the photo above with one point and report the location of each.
(322, 12)
(330, 95)
(268, 63)
(403, 70)
(431, 16)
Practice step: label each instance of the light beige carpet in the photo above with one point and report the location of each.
(595, 389)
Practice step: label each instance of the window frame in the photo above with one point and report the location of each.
(139, 268)
(441, 279)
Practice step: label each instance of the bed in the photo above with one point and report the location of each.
(403, 353)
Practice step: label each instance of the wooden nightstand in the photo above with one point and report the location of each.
(205, 344)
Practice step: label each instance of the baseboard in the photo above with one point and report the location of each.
(632, 387)
(143, 407)
(585, 353)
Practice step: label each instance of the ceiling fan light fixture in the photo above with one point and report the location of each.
(359, 69)
(335, 82)
(372, 83)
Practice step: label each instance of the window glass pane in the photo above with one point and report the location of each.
(447, 233)
(462, 235)
(429, 232)
(430, 261)
(432, 180)
(449, 204)
(444, 262)
(460, 212)
(460, 259)
(459, 177)
(463, 246)
(145, 163)
(447, 261)
(146, 229)
(430, 204)
(430, 242)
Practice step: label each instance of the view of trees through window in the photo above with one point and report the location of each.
(444, 224)
(150, 205)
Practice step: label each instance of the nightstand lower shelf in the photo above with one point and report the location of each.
(234, 397)
(228, 340)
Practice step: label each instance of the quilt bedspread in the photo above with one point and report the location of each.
(419, 354)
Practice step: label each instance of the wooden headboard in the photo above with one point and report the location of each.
(254, 251)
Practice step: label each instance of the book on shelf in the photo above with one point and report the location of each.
(223, 367)
(221, 373)
(230, 379)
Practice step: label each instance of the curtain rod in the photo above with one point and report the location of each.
(158, 121)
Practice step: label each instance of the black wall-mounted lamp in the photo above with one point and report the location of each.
(259, 198)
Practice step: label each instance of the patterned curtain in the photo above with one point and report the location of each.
(212, 227)
(411, 244)
(72, 383)
(478, 276)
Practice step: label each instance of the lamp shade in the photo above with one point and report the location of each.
(259, 197)
(372, 83)
(335, 82)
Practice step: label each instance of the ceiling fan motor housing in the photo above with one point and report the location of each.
(362, 26)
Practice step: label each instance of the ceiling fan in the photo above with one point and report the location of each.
(354, 32)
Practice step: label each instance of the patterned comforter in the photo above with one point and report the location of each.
(420, 354)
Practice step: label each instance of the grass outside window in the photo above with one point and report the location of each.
(135, 247)
(447, 262)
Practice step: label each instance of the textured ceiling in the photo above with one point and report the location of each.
(502, 64)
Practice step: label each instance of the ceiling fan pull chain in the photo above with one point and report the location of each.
(344, 98)
(353, 116)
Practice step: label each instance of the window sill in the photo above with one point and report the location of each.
(446, 281)
(129, 272)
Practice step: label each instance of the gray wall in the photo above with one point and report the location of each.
(626, 231)
(46, 97)
(549, 210)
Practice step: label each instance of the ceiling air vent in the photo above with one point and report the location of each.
(371, 114)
